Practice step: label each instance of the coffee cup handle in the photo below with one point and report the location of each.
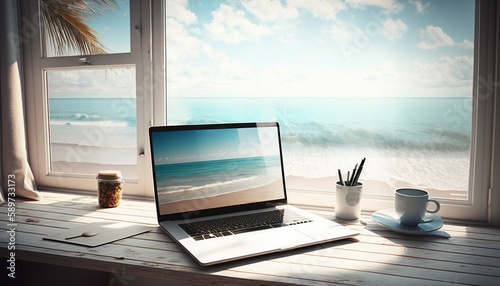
(438, 206)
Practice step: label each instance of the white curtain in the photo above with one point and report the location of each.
(15, 170)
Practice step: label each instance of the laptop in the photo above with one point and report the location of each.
(220, 193)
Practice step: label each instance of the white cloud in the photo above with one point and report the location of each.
(319, 8)
(178, 10)
(385, 71)
(344, 33)
(419, 6)
(231, 26)
(352, 39)
(448, 76)
(466, 44)
(434, 37)
(198, 68)
(388, 5)
(393, 29)
(446, 71)
(105, 83)
(180, 44)
(270, 10)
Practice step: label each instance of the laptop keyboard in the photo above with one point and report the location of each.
(242, 223)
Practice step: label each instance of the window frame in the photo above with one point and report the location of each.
(37, 98)
(476, 207)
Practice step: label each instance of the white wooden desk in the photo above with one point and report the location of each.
(470, 257)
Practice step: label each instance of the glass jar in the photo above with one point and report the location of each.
(109, 188)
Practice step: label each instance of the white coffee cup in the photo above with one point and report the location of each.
(411, 205)
(348, 201)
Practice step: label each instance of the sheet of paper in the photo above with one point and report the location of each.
(106, 232)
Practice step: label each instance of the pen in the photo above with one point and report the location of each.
(340, 178)
(362, 162)
(352, 179)
(357, 176)
(351, 182)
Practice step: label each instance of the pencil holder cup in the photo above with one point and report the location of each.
(348, 201)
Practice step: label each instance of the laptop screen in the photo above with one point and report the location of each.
(203, 167)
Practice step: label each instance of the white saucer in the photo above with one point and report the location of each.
(390, 219)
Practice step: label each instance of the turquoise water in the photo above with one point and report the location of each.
(93, 111)
(440, 124)
(215, 177)
(418, 141)
(423, 141)
(103, 122)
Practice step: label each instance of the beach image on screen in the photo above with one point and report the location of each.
(204, 169)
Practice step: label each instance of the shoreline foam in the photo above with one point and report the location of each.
(77, 153)
(128, 171)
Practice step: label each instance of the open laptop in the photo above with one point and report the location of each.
(220, 193)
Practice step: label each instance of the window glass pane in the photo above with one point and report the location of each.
(85, 27)
(388, 81)
(92, 120)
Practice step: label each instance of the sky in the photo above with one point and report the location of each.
(296, 48)
(92, 83)
(213, 144)
(113, 30)
(304, 48)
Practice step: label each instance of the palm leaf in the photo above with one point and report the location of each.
(66, 28)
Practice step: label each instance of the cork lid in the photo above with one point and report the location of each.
(109, 175)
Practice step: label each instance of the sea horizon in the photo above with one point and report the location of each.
(421, 140)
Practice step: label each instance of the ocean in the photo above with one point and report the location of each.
(69, 117)
(93, 130)
(214, 177)
(440, 124)
(420, 140)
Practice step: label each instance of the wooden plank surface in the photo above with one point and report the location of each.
(375, 257)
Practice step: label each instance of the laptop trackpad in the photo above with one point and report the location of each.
(290, 238)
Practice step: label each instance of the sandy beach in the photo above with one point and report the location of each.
(128, 171)
(262, 193)
(80, 159)
(371, 187)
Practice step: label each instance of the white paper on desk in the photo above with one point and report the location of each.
(107, 232)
